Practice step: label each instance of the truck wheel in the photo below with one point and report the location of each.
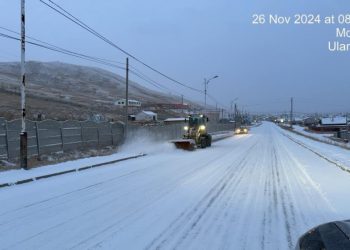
(209, 140)
(203, 142)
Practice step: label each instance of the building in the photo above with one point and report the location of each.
(132, 103)
(331, 124)
(311, 121)
(146, 116)
(334, 121)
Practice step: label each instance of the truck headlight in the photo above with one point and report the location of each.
(201, 127)
(238, 131)
(245, 130)
(186, 128)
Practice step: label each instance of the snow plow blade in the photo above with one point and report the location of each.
(186, 144)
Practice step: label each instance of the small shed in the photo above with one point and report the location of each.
(146, 116)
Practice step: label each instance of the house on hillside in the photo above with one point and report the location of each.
(146, 116)
(132, 103)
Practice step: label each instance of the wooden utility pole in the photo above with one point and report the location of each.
(236, 115)
(291, 112)
(182, 104)
(126, 97)
(23, 135)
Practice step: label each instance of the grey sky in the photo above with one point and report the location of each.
(261, 65)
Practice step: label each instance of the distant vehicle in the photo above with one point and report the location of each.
(196, 134)
(241, 130)
(331, 236)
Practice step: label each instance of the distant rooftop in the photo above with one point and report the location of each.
(339, 120)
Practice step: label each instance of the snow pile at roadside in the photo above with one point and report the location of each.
(12, 176)
(324, 137)
(331, 152)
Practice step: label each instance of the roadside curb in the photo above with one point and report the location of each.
(8, 184)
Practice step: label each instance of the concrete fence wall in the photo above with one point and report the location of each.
(170, 132)
(52, 136)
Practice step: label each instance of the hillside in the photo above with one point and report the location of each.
(66, 91)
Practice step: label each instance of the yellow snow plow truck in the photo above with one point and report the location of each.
(196, 134)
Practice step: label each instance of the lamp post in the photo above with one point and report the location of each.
(232, 102)
(206, 82)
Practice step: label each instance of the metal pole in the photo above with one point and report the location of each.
(23, 135)
(126, 97)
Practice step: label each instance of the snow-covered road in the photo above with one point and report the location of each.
(256, 191)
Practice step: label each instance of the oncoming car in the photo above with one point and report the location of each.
(241, 130)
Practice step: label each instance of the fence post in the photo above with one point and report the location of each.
(111, 128)
(98, 136)
(61, 129)
(37, 139)
(7, 141)
(81, 135)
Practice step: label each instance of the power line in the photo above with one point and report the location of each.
(66, 52)
(102, 61)
(56, 48)
(77, 21)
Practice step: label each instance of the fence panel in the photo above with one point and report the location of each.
(50, 139)
(89, 134)
(3, 139)
(117, 129)
(71, 135)
(13, 136)
(104, 134)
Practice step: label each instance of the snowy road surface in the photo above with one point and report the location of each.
(256, 191)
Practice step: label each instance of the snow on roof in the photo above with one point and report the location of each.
(174, 119)
(149, 112)
(333, 120)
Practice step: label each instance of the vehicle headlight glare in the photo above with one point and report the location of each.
(201, 127)
(186, 128)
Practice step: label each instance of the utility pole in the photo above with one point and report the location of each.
(206, 82)
(235, 115)
(291, 112)
(23, 135)
(126, 97)
(205, 94)
(182, 104)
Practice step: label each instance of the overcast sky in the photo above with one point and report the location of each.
(262, 66)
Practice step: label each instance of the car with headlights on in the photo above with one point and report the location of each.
(241, 130)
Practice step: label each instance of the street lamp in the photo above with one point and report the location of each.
(233, 101)
(206, 82)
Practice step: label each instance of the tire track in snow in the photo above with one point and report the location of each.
(191, 218)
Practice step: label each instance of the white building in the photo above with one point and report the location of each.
(132, 103)
(146, 116)
(338, 120)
